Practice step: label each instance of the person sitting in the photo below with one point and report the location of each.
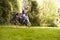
(21, 18)
(15, 19)
(25, 17)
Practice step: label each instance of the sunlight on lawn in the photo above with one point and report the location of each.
(17, 26)
(29, 34)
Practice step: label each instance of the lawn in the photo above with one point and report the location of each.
(29, 33)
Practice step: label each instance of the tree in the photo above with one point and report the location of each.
(49, 14)
(46, 16)
(33, 12)
(6, 9)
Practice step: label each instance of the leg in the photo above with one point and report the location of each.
(26, 23)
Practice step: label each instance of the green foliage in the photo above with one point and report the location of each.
(37, 18)
(45, 17)
(50, 20)
(33, 13)
(34, 7)
(49, 14)
(34, 19)
(6, 9)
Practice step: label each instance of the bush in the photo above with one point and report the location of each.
(6, 9)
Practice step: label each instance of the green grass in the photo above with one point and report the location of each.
(11, 33)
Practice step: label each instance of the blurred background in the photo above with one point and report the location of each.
(44, 13)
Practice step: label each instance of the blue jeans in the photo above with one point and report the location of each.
(26, 22)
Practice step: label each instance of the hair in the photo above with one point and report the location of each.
(23, 12)
(17, 13)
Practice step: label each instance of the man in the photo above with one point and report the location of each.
(25, 17)
(21, 18)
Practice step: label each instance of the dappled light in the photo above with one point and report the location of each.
(39, 12)
(29, 19)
